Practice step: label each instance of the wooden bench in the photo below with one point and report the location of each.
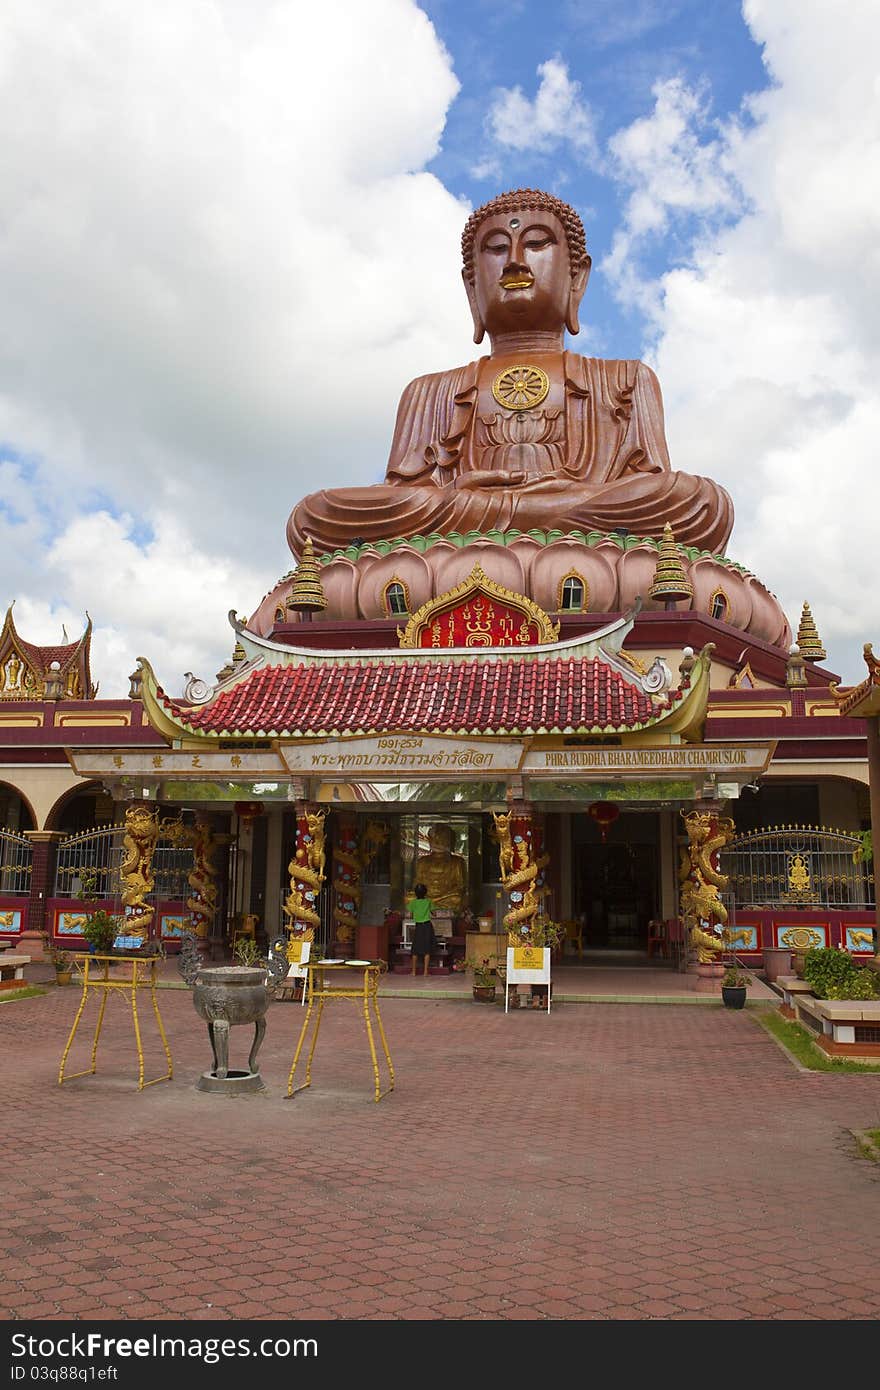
(12, 971)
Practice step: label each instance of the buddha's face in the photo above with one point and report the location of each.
(440, 839)
(522, 275)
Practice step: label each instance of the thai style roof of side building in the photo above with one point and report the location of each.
(861, 701)
(26, 666)
(579, 686)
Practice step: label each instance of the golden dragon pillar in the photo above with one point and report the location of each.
(521, 865)
(702, 881)
(307, 875)
(352, 852)
(139, 841)
(202, 878)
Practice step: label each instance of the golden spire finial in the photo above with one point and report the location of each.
(306, 592)
(670, 581)
(808, 637)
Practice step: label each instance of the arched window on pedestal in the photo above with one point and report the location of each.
(572, 593)
(395, 598)
(719, 606)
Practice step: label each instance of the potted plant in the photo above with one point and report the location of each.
(100, 930)
(247, 952)
(733, 988)
(58, 957)
(484, 981)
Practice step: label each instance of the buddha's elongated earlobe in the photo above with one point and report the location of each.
(576, 294)
(470, 291)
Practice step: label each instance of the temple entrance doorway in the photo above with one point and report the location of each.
(616, 882)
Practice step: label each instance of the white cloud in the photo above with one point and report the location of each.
(672, 176)
(767, 341)
(216, 225)
(558, 116)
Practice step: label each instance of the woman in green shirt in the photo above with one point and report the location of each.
(420, 908)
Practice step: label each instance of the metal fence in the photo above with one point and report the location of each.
(16, 853)
(89, 863)
(798, 866)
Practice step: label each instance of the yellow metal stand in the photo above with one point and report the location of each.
(143, 976)
(318, 989)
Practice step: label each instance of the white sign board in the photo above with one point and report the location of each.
(521, 971)
(300, 971)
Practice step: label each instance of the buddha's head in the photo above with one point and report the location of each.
(525, 264)
(440, 839)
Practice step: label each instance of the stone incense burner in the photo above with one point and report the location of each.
(223, 996)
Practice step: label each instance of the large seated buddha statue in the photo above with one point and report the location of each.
(532, 435)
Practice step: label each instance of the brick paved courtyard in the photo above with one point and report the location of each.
(608, 1161)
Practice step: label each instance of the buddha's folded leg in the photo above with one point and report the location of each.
(334, 518)
(698, 510)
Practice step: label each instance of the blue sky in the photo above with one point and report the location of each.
(230, 237)
(616, 61)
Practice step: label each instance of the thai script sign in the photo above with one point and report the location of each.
(396, 754)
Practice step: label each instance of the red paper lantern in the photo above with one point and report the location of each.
(604, 813)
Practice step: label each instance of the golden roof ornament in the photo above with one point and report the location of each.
(306, 592)
(670, 581)
(808, 638)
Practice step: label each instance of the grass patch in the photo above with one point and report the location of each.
(29, 992)
(868, 1141)
(796, 1040)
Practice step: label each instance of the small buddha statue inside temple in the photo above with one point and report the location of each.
(532, 435)
(443, 873)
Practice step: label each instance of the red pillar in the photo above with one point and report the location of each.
(44, 844)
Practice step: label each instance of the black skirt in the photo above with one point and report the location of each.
(423, 939)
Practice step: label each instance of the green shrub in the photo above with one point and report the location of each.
(863, 985)
(100, 930)
(832, 974)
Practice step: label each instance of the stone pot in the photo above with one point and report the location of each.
(777, 961)
(225, 995)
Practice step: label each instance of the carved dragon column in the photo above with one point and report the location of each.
(346, 883)
(521, 864)
(355, 845)
(306, 870)
(701, 885)
(136, 871)
(202, 878)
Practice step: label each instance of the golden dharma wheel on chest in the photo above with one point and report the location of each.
(520, 387)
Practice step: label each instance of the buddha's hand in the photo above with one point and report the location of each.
(488, 477)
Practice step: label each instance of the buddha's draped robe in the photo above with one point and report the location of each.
(598, 463)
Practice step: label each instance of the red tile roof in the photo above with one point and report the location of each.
(41, 658)
(418, 696)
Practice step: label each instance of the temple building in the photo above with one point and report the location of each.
(533, 623)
